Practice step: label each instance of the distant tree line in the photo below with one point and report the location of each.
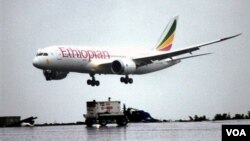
(197, 118)
(224, 116)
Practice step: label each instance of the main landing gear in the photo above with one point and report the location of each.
(126, 80)
(93, 82)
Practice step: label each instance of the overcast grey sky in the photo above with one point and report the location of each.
(1, 46)
(205, 86)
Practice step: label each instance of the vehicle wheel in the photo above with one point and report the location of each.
(122, 121)
(89, 122)
(103, 122)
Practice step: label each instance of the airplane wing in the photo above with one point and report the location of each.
(102, 66)
(140, 61)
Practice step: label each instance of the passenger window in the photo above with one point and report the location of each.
(45, 54)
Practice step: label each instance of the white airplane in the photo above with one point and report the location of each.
(57, 61)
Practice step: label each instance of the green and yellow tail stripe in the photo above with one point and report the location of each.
(167, 42)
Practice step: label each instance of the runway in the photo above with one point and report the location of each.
(172, 131)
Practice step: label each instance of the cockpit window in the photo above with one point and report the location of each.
(39, 54)
(42, 54)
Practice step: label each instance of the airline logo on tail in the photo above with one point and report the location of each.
(166, 41)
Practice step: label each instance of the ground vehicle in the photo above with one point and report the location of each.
(104, 112)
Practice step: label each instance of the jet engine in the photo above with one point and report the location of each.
(54, 75)
(123, 66)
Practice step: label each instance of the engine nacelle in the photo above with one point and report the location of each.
(123, 66)
(54, 75)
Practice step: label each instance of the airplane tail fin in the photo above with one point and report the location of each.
(166, 40)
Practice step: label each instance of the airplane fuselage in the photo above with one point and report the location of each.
(86, 59)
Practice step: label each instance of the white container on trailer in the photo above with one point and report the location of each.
(104, 112)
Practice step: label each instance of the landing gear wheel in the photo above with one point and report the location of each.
(92, 83)
(122, 79)
(88, 82)
(97, 83)
(130, 80)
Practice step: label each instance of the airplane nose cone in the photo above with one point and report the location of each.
(36, 63)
